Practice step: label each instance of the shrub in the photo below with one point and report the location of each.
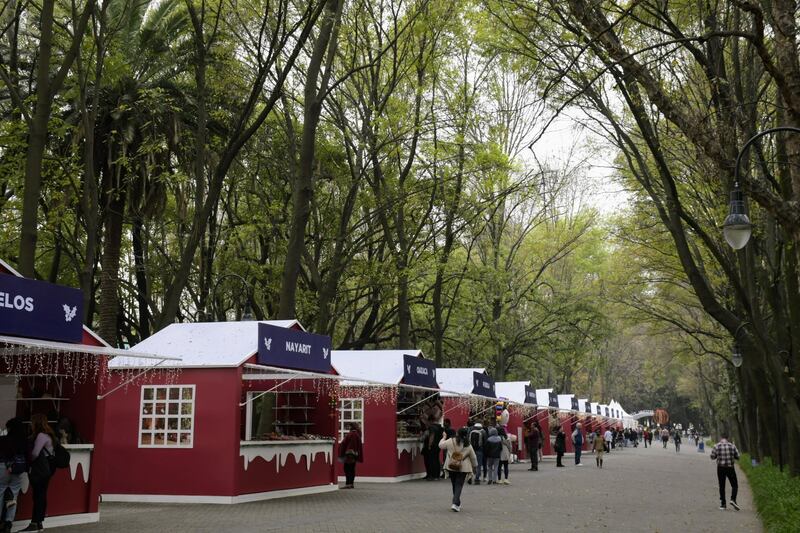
(776, 495)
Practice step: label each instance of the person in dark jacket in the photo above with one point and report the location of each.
(430, 451)
(492, 450)
(532, 445)
(351, 451)
(577, 441)
(560, 446)
(13, 453)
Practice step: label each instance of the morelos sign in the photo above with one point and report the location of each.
(553, 399)
(40, 310)
(419, 371)
(291, 348)
(482, 385)
(530, 395)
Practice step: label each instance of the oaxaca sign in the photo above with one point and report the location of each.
(40, 310)
(530, 395)
(574, 402)
(482, 384)
(291, 348)
(419, 371)
(553, 399)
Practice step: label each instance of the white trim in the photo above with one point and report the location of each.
(242, 498)
(387, 479)
(80, 348)
(64, 520)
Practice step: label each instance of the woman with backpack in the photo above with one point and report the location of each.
(351, 451)
(461, 463)
(42, 467)
(14, 453)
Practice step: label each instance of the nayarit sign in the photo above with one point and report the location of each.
(482, 385)
(291, 348)
(40, 310)
(418, 371)
(530, 395)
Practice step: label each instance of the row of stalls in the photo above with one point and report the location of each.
(234, 412)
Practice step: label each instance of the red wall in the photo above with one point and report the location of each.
(206, 469)
(457, 410)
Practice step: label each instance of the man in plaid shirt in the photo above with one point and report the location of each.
(726, 455)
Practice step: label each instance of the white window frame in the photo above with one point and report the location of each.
(167, 416)
(343, 430)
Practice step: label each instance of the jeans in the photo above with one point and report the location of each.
(577, 455)
(349, 473)
(502, 467)
(728, 472)
(13, 482)
(39, 499)
(457, 479)
(493, 465)
(484, 465)
(479, 455)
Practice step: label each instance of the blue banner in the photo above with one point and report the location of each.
(419, 371)
(598, 409)
(291, 348)
(40, 310)
(482, 385)
(574, 402)
(553, 399)
(588, 406)
(530, 395)
(607, 411)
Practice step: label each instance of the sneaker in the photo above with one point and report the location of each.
(579, 464)
(454, 507)
(722, 507)
(735, 505)
(469, 482)
(457, 509)
(33, 526)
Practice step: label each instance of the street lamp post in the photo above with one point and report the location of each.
(247, 313)
(737, 227)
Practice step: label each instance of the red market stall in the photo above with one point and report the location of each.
(522, 408)
(469, 395)
(53, 365)
(250, 416)
(394, 396)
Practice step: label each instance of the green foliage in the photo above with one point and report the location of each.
(776, 495)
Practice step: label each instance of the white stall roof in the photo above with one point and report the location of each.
(565, 401)
(595, 405)
(457, 379)
(511, 390)
(543, 397)
(202, 344)
(384, 366)
(582, 404)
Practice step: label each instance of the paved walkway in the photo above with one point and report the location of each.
(639, 490)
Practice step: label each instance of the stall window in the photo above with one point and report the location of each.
(350, 410)
(166, 419)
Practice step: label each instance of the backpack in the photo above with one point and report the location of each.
(60, 457)
(455, 461)
(476, 439)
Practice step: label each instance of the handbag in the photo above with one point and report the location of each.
(41, 468)
(350, 456)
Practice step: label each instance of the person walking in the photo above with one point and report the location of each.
(532, 443)
(577, 441)
(351, 451)
(590, 441)
(492, 449)
(599, 449)
(13, 452)
(645, 437)
(608, 437)
(430, 451)
(505, 456)
(664, 437)
(726, 455)
(560, 446)
(677, 439)
(460, 464)
(41, 468)
(476, 441)
(650, 438)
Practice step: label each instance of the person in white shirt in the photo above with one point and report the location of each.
(608, 437)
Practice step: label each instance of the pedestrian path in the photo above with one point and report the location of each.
(639, 490)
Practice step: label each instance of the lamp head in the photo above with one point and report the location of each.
(737, 227)
(736, 357)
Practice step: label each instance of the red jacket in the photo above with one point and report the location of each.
(352, 441)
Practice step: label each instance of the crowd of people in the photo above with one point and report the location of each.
(480, 453)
